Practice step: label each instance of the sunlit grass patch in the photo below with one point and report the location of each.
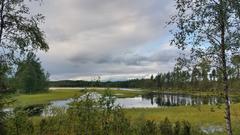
(197, 115)
(45, 98)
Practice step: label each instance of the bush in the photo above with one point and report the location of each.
(186, 129)
(166, 127)
(19, 123)
(148, 128)
(58, 124)
(177, 128)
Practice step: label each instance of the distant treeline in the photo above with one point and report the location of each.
(200, 76)
(177, 80)
(80, 83)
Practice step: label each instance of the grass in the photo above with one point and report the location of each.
(44, 98)
(197, 115)
(61, 94)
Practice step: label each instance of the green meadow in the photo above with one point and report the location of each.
(61, 94)
(198, 115)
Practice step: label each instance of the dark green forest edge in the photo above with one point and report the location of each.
(202, 78)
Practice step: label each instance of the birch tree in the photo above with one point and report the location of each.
(210, 28)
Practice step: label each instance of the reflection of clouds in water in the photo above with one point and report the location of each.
(212, 129)
(153, 100)
(136, 102)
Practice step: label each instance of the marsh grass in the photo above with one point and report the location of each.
(44, 98)
(61, 94)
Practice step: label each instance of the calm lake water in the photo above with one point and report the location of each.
(148, 100)
(151, 100)
(89, 88)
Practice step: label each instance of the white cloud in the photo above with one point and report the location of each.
(89, 37)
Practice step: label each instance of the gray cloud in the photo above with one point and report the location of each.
(89, 37)
(164, 55)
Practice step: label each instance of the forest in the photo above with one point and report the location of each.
(189, 49)
(201, 77)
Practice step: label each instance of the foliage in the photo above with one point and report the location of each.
(201, 77)
(98, 116)
(2, 114)
(30, 76)
(3, 71)
(87, 116)
(20, 28)
(166, 127)
(236, 62)
(19, 34)
(148, 127)
(58, 124)
(19, 123)
(209, 29)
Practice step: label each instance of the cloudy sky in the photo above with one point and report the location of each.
(114, 39)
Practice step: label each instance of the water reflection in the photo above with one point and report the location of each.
(136, 102)
(150, 100)
(212, 129)
(170, 99)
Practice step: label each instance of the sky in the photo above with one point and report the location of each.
(113, 39)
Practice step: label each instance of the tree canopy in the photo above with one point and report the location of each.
(236, 63)
(19, 32)
(210, 28)
(30, 76)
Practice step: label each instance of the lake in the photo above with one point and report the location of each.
(152, 99)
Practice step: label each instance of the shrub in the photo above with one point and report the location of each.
(166, 127)
(19, 123)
